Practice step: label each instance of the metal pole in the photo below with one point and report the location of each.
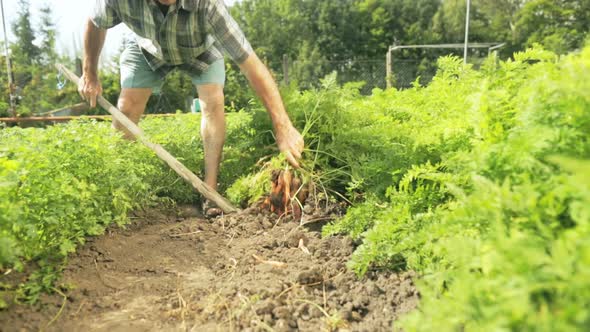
(467, 31)
(8, 67)
(389, 68)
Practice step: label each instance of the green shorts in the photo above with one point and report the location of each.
(136, 73)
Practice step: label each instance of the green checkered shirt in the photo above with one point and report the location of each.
(192, 33)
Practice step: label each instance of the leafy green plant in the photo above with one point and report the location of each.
(492, 221)
(62, 184)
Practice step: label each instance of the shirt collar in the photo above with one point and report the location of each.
(188, 5)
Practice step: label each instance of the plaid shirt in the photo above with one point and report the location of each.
(192, 33)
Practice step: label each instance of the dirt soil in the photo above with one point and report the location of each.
(243, 272)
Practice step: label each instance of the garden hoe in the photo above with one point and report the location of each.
(176, 165)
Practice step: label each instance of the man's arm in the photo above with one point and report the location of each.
(227, 32)
(89, 86)
(289, 140)
(102, 17)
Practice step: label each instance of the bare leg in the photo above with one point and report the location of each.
(212, 129)
(132, 103)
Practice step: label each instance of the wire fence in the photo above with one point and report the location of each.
(372, 72)
(407, 68)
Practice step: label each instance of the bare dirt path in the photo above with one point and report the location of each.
(238, 273)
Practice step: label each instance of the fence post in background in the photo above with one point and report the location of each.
(467, 31)
(389, 69)
(285, 69)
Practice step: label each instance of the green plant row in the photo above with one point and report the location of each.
(488, 196)
(477, 181)
(64, 183)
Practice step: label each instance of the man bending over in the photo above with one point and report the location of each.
(189, 35)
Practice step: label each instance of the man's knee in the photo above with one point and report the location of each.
(212, 101)
(133, 100)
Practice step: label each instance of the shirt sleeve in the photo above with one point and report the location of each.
(227, 32)
(103, 15)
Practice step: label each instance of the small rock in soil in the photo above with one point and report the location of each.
(311, 276)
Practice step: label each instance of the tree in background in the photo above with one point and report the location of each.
(309, 65)
(25, 56)
(47, 36)
(274, 27)
(34, 62)
(559, 25)
(324, 35)
(33, 55)
(335, 31)
(449, 21)
(318, 36)
(24, 50)
(331, 41)
(501, 19)
(384, 22)
(4, 90)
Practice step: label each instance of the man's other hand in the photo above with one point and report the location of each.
(89, 88)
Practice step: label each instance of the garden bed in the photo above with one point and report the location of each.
(165, 272)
